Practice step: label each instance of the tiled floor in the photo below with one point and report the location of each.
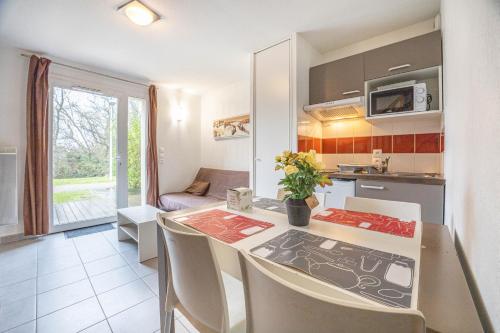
(88, 284)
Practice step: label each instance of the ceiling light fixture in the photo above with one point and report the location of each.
(139, 13)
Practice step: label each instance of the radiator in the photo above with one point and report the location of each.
(8, 186)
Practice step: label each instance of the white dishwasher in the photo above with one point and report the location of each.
(334, 196)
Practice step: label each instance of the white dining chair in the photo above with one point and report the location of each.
(275, 305)
(213, 300)
(405, 211)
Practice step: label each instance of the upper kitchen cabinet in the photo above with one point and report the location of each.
(416, 53)
(339, 79)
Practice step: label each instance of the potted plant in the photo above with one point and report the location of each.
(302, 174)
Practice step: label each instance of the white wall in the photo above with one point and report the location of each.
(471, 47)
(228, 101)
(13, 80)
(179, 139)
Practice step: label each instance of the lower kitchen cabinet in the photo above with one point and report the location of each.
(430, 197)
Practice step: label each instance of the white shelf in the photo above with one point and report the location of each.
(420, 114)
(131, 230)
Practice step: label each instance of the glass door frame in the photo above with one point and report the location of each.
(68, 78)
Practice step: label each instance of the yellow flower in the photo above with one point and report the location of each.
(291, 169)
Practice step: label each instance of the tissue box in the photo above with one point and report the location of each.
(239, 198)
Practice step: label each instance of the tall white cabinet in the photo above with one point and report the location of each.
(272, 114)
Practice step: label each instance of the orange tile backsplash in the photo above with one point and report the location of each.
(427, 143)
(345, 145)
(329, 146)
(363, 145)
(383, 142)
(404, 143)
(399, 144)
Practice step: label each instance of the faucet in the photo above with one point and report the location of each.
(385, 164)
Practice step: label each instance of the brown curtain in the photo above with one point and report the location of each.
(151, 155)
(36, 206)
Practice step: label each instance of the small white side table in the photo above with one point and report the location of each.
(139, 224)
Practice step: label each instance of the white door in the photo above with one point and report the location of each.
(272, 115)
(97, 156)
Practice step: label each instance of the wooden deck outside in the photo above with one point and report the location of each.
(77, 211)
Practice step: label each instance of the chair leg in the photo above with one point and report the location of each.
(169, 325)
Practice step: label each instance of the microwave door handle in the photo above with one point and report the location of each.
(398, 67)
(351, 92)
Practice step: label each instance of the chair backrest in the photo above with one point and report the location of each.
(195, 275)
(405, 211)
(275, 305)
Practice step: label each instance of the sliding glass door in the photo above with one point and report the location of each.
(98, 149)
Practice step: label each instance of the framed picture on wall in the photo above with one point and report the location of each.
(234, 127)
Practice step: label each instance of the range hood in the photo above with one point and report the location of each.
(341, 109)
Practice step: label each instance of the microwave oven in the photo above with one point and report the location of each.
(398, 99)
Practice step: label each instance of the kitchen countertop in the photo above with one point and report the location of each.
(399, 177)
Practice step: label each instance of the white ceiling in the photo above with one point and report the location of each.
(199, 44)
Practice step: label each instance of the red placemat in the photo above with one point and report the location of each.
(369, 221)
(224, 226)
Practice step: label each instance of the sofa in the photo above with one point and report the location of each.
(220, 181)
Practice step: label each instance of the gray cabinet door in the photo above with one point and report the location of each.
(336, 80)
(430, 197)
(409, 55)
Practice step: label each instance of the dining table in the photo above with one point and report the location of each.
(382, 268)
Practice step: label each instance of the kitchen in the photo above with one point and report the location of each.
(380, 106)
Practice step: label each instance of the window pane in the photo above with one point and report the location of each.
(84, 151)
(136, 150)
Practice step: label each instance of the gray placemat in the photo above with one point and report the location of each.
(383, 277)
(272, 205)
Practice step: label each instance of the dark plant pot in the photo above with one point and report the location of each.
(298, 212)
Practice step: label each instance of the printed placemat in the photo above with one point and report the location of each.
(272, 205)
(369, 221)
(382, 277)
(224, 226)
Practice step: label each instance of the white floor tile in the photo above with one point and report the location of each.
(19, 274)
(179, 328)
(57, 263)
(72, 319)
(124, 245)
(124, 297)
(144, 317)
(187, 324)
(102, 327)
(61, 278)
(141, 268)
(112, 279)
(67, 248)
(62, 297)
(17, 291)
(152, 281)
(96, 253)
(29, 327)
(17, 313)
(17, 258)
(104, 265)
(53, 241)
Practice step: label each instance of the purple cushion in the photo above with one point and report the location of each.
(181, 200)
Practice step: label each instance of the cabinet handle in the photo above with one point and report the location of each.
(372, 187)
(398, 67)
(351, 92)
